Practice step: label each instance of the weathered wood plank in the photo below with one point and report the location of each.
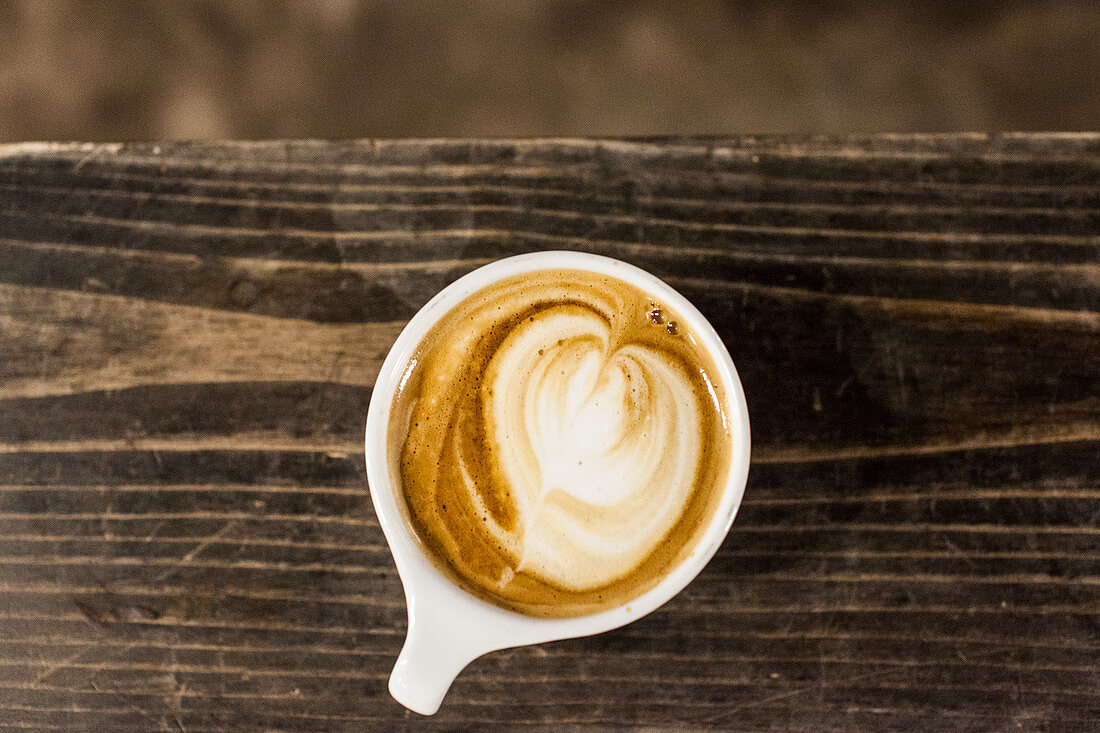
(189, 333)
(832, 372)
(70, 341)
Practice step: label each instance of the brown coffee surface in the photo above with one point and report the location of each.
(561, 441)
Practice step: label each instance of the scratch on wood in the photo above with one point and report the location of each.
(955, 549)
(54, 667)
(187, 558)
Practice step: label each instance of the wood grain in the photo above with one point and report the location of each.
(189, 334)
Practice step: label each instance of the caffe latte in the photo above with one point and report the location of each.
(561, 441)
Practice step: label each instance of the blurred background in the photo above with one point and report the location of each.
(145, 69)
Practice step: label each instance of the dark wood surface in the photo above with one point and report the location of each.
(188, 337)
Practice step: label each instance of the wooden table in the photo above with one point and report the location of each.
(188, 337)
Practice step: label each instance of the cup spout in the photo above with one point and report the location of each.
(436, 650)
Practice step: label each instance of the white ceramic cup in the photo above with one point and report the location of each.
(448, 626)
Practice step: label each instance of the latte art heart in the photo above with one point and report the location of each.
(558, 448)
(600, 448)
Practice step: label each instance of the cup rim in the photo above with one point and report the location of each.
(407, 549)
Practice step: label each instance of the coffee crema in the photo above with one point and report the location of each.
(561, 442)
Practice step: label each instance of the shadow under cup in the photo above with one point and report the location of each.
(449, 626)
